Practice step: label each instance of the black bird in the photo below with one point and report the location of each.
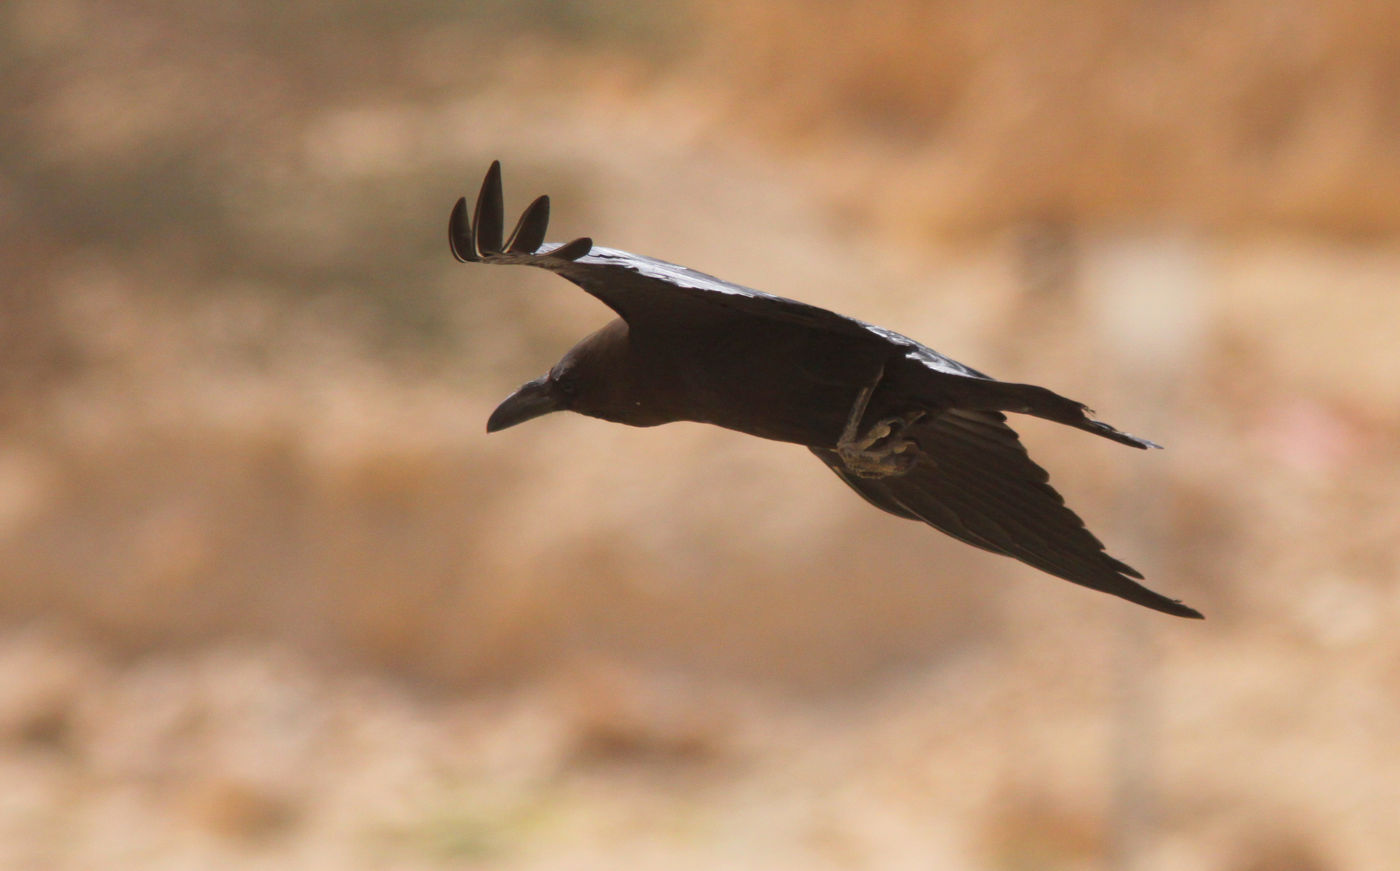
(913, 432)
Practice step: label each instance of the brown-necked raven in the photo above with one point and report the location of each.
(915, 433)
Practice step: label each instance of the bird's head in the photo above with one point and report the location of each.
(596, 378)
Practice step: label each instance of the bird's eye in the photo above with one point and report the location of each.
(567, 384)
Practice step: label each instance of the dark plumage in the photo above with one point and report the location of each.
(913, 432)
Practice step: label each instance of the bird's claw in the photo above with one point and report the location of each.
(882, 451)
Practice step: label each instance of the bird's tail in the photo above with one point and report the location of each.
(1047, 404)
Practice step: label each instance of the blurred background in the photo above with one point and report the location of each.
(270, 597)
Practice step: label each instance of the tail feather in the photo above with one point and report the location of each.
(1049, 405)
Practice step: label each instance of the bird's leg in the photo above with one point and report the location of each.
(848, 435)
(880, 452)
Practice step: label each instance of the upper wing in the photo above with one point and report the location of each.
(638, 287)
(646, 289)
(975, 481)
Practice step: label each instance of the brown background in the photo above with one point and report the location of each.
(270, 597)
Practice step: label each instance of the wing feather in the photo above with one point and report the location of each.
(490, 217)
(529, 232)
(975, 482)
(634, 286)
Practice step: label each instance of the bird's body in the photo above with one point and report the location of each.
(915, 433)
(747, 366)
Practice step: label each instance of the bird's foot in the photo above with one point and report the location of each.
(882, 451)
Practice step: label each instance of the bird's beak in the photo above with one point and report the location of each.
(533, 399)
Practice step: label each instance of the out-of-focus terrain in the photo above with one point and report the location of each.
(270, 597)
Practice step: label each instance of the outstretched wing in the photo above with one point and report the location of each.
(974, 480)
(634, 286)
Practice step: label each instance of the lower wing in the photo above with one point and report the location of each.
(974, 481)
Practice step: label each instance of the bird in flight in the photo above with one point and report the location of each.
(913, 432)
